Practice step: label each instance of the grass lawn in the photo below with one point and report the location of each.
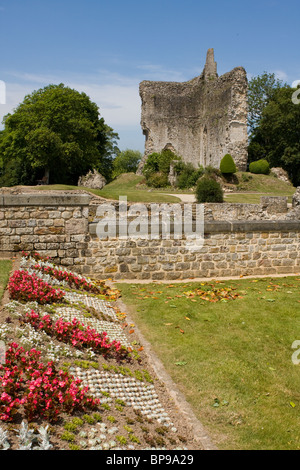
(251, 198)
(5, 267)
(256, 186)
(232, 358)
(125, 185)
(132, 186)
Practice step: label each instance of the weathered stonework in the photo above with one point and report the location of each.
(201, 120)
(93, 180)
(239, 239)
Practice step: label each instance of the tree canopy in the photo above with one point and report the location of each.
(261, 89)
(55, 131)
(126, 162)
(277, 137)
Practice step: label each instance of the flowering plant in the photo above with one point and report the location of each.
(41, 389)
(76, 333)
(29, 287)
(44, 265)
(77, 282)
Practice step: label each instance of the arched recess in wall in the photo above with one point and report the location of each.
(148, 140)
(169, 146)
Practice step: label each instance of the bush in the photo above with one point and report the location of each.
(187, 175)
(157, 180)
(212, 172)
(208, 190)
(159, 163)
(227, 165)
(260, 167)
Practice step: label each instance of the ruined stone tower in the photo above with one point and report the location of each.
(201, 120)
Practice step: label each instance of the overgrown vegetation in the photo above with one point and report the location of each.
(187, 175)
(157, 168)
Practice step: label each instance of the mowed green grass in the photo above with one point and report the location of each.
(232, 359)
(258, 185)
(133, 187)
(5, 268)
(125, 185)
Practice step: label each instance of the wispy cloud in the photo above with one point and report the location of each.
(160, 73)
(281, 75)
(116, 96)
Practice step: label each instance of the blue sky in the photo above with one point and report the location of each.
(106, 48)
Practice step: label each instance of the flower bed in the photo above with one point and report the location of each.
(28, 287)
(73, 280)
(84, 338)
(42, 390)
(75, 333)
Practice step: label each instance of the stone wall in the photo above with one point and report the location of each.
(201, 120)
(62, 228)
(230, 249)
(56, 225)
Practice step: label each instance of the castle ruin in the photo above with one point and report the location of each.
(200, 120)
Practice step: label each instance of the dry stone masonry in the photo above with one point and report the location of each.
(201, 120)
(239, 239)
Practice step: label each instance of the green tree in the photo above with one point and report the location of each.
(126, 162)
(278, 133)
(261, 90)
(57, 132)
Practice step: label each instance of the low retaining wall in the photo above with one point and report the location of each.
(58, 226)
(230, 249)
(55, 225)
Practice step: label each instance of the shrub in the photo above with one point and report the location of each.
(159, 163)
(212, 172)
(187, 175)
(227, 165)
(157, 180)
(260, 167)
(208, 190)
